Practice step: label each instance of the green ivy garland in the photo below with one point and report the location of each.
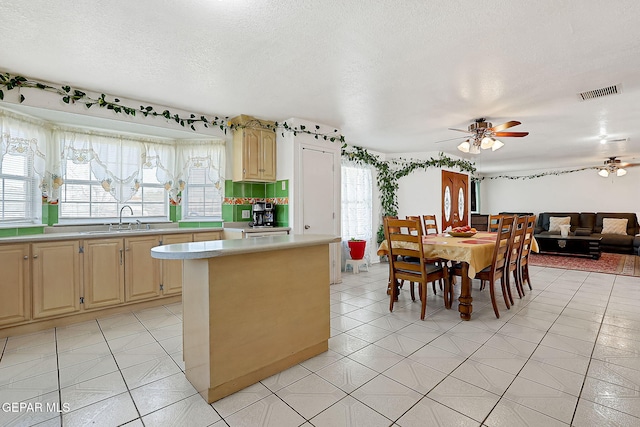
(537, 175)
(70, 95)
(390, 171)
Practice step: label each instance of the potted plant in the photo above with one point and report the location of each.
(356, 248)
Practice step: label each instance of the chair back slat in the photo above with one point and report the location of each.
(404, 244)
(515, 249)
(527, 239)
(493, 222)
(503, 243)
(430, 224)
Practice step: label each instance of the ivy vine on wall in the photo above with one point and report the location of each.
(390, 171)
(70, 95)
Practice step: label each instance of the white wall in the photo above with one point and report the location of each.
(420, 192)
(583, 191)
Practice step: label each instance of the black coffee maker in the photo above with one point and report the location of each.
(269, 215)
(264, 215)
(258, 214)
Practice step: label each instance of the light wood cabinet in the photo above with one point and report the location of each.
(103, 268)
(15, 284)
(207, 235)
(171, 269)
(56, 278)
(142, 273)
(254, 151)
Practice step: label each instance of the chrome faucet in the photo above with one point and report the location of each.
(121, 209)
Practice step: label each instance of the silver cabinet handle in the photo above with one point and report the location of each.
(120, 256)
(35, 256)
(306, 227)
(26, 257)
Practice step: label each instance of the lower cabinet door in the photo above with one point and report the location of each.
(15, 286)
(103, 273)
(171, 269)
(207, 236)
(142, 273)
(56, 278)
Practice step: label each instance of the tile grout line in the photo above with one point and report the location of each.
(55, 339)
(121, 374)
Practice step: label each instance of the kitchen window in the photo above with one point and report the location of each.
(202, 197)
(357, 202)
(18, 188)
(83, 196)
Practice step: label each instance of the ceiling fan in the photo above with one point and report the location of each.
(483, 135)
(614, 166)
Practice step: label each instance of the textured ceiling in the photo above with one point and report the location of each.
(392, 75)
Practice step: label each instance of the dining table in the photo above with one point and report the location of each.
(474, 253)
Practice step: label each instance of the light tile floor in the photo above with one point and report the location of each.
(566, 354)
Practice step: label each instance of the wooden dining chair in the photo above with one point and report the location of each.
(498, 268)
(404, 245)
(393, 230)
(430, 224)
(493, 223)
(523, 262)
(436, 261)
(515, 251)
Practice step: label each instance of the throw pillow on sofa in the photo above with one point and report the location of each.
(556, 221)
(614, 226)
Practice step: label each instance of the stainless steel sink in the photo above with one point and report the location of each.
(123, 230)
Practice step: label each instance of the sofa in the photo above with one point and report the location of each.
(591, 224)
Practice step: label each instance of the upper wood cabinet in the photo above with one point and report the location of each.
(15, 284)
(254, 150)
(56, 278)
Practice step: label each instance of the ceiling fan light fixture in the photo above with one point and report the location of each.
(474, 149)
(464, 147)
(603, 173)
(497, 144)
(487, 142)
(621, 172)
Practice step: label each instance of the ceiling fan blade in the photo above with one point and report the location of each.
(461, 130)
(504, 126)
(451, 139)
(507, 134)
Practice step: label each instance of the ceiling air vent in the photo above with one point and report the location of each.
(597, 93)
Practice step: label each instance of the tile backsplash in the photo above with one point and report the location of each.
(239, 196)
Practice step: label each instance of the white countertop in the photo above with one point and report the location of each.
(200, 250)
(83, 235)
(257, 229)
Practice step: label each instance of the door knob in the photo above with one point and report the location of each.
(306, 227)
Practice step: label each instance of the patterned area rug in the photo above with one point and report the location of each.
(626, 265)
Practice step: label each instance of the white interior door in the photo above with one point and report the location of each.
(319, 213)
(318, 181)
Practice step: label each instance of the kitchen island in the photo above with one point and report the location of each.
(251, 307)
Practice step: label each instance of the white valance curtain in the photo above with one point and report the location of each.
(25, 139)
(117, 162)
(21, 137)
(357, 201)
